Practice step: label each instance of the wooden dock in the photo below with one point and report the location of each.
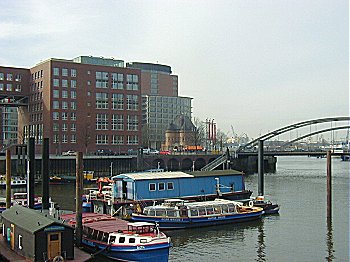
(7, 254)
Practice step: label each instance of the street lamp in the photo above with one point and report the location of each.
(111, 169)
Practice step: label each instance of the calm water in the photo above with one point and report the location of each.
(299, 233)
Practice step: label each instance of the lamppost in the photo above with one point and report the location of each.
(111, 169)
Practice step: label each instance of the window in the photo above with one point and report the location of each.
(118, 101)
(73, 94)
(56, 126)
(102, 122)
(18, 78)
(73, 72)
(1, 87)
(56, 71)
(9, 77)
(132, 102)
(73, 83)
(132, 82)
(101, 100)
(64, 83)
(73, 127)
(64, 127)
(117, 140)
(73, 116)
(117, 122)
(117, 81)
(64, 115)
(56, 82)
(121, 239)
(132, 123)
(8, 87)
(64, 139)
(170, 185)
(73, 138)
(56, 94)
(73, 105)
(161, 186)
(64, 72)
(101, 139)
(1, 76)
(55, 104)
(132, 240)
(64, 94)
(55, 116)
(132, 140)
(64, 105)
(101, 80)
(152, 187)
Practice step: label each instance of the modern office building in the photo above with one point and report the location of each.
(84, 104)
(160, 101)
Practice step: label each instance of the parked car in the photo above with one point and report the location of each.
(164, 152)
(154, 152)
(69, 153)
(104, 152)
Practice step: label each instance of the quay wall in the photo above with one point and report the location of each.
(114, 165)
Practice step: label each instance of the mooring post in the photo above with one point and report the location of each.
(31, 172)
(261, 168)
(8, 178)
(78, 198)
(329, 185)
(45, 176)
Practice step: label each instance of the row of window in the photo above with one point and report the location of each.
(37, 86)
(10, 87)
(117, 101)
(64, 83)
(161, 186)
(56, 127)
(117, 122)
(117, 140)
(64, 94)
(64, 105)
(64, 116)
(64, 72)
(11, 77)
(38, 74)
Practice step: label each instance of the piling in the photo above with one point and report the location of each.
(30, 172)
(8, 178)
(78, 199)
(261, 168)
(45, 173)
(329, 185)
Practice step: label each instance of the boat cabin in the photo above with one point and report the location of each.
(164, 185)
(37, 236)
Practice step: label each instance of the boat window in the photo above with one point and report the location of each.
(111, 239)
(160, 213)
(94, 234)
(172, 213)
(217, 209)
(224, 209)
(152, 187)
(122, 240)
(201, 211)
(210, 210)
(161, 186)
(170, 185)
(132, 240)
(231, 208)
(151, 212)
(194, 212)
(105, 237)
(143, 240)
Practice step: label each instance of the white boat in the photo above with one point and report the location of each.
(15, 181)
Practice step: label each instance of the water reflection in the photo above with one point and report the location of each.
(261, 256)
(330, 248)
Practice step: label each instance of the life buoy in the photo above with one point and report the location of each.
(58, 259)
(250, 204)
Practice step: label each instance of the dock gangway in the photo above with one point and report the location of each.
(214, 164)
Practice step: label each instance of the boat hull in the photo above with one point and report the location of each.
(149, 253)
(182, 223)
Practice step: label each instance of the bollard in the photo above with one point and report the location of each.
(78, 198)
(329, 185)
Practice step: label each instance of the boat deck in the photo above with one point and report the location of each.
(100, 222)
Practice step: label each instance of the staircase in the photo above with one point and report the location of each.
(214, 164)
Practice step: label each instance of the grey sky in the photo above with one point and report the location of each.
(256, 65)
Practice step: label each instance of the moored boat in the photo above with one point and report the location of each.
(267, 205)
(15, 181)
(178, 214)
(20, 199)
(121, 240)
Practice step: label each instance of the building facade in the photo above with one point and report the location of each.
(85, 104)
(160, 101)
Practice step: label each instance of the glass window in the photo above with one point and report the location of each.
(56, 82)
(132, 240)
(73, 94)
(56, 93)
(161, 186)
(1, 76)
(64, 94)
(9, 77)
(64, 115)
(152, 187)
(56, 71)
(64, 72)
(55, 104)
(73, 105)
(8, 87)
(73, 83)
(55, 116)
(73, 72)
(121, 239)
(64, 105)
(64, 83)
(170, 185)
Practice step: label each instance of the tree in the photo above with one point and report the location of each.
(198, 132)
(221, 139)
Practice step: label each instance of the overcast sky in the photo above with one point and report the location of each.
(255, 65)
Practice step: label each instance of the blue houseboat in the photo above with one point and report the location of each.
(199, 186)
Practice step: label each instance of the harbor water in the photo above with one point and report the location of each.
(299, 233)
